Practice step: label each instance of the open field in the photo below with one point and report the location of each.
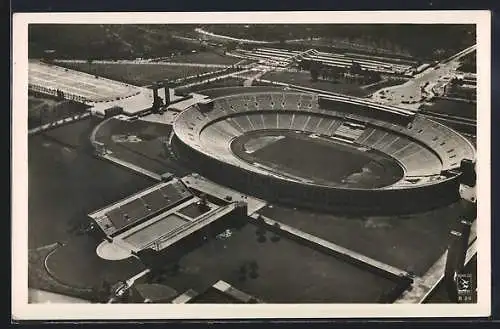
(327, 162)
(206, 57)
(226, 82)
(145, 150)
(90, 270)
(453, 108)
(140, 74)
(411, 242)
(285, 270)
(40, 278)
(66, 183)
(304, 79)
(44, 110)
(384, 83)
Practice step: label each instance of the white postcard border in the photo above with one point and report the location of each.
(21, 310)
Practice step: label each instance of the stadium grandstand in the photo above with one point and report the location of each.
(103, 96)
(155, 218)
(423, 154)
(75, 85)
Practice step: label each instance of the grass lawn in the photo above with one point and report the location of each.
(90, 270)
(285, 270)
(205, 58)
(43, 110)
(304, 79)
(453, 108)
(140, 74)
(39, 278)
(150, 153)
(411, 242)
(66, 182)
(384, 83)
(226, 82)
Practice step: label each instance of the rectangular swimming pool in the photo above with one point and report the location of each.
(155, 230)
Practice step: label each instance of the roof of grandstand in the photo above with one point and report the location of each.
(140, 206)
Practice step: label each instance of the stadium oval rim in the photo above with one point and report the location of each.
(438, 149)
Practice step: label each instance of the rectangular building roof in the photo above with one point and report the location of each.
(138, 207)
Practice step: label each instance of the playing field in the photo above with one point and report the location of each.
(304, 79)
(140, 74)
(205, 58)
(145, 148)
(320, 160)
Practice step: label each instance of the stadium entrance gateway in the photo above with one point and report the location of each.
(165, 215)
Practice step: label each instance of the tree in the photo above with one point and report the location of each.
(260, 230)
(89, 63)
(305, 64)
(60, 94)
(254, 267)
(277, 228)
(315, 69)
(356, 68)
(44, 114)
(375, 76)
(101, 292)
(230, 46)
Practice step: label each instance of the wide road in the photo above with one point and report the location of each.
(414, 90)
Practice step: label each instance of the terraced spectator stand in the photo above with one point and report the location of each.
(78, 86)
(427, 152)
(166, 215)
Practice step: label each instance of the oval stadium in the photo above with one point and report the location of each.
(332, 152)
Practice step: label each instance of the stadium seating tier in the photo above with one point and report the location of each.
(424, 148)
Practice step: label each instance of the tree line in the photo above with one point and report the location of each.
(322, 71)
(83, 41)
(421, 41)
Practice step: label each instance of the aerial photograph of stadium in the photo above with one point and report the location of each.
(252, 163)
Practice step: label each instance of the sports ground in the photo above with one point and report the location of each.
(140, 74)
(329, 162)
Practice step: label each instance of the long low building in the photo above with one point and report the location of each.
(283, 57)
